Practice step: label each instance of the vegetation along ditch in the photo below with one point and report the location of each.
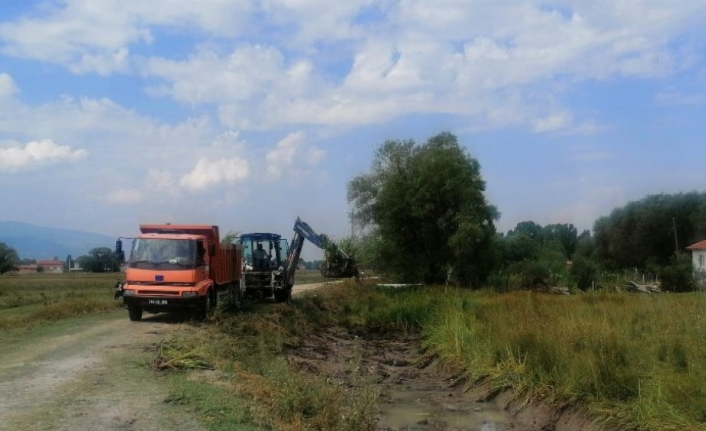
(627, 362)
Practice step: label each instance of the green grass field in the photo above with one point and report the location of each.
(307, 276)
(634, 361)
(41, 298)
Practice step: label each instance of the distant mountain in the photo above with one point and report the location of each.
(37, 242)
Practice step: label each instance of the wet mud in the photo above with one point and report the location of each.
(413, 392)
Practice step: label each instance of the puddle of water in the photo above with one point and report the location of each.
(411, 411)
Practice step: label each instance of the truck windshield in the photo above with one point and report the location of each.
(164, 254)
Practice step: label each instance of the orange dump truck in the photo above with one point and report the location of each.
(180, 267)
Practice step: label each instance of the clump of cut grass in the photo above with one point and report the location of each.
(175, 354)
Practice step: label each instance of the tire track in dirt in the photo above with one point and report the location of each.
(91, 375)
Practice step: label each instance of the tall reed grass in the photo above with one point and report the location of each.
(636, 361)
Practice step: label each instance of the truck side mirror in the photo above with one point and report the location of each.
(119, 253)
(212, 249)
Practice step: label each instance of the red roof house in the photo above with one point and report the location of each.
(52, 266)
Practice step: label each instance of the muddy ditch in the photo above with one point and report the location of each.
(414, 393)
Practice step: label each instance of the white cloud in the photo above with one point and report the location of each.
(124, 196)
(483, 62)
(7, 86)
(37, 153)
(552, 123)
(315, 155)
(291, 157)
(209, 173)
(160, 181)
(286, 149)
(95, 36)
(364, 61)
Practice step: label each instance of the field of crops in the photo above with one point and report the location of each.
(37, 298)
(34, 299)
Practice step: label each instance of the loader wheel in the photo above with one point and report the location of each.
(135, 313)
(283, 295)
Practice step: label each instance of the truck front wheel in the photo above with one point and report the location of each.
(207, 306)
(135, 313)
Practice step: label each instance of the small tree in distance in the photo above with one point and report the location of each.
(101, 259)
(8, 258)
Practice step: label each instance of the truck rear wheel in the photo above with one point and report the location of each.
(135, 313)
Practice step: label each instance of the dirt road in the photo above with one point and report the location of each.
(90, 374)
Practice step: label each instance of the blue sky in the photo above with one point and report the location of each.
(249, 113)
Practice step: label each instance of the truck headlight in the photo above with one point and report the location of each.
(190, 294)
(128, 292)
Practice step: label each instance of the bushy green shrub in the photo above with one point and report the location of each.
(678, 275)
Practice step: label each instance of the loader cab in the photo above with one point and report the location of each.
(264, 251)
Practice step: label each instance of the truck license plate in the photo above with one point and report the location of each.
(157, 301)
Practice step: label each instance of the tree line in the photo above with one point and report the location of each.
(99, 259)
(424, 217)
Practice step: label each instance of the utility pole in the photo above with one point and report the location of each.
(676, 241)
(350, 214)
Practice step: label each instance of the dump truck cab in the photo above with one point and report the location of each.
(180, 267)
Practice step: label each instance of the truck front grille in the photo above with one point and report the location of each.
(158, 292)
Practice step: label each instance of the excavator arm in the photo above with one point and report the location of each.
(337, 264)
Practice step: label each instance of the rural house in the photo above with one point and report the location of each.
(698, 259)
(27, 269)
(51, 266)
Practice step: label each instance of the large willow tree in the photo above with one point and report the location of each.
(426, 205)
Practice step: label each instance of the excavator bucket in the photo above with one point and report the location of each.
(338, 266)
(337, 263)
